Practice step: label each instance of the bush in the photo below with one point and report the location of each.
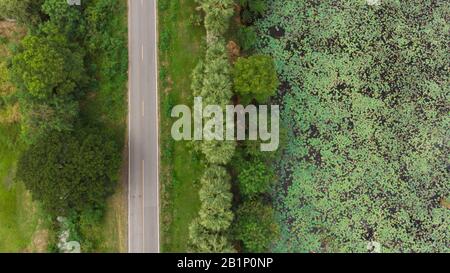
(255, 226)
(218, 152)
(247, 38)
(216, 198)
(255, 77)
(204, 241)
(254, 178)
(66, 172)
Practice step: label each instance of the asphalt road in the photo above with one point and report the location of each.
(143, 204)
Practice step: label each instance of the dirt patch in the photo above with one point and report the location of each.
(234, 51)
(39, 242)
(10, 30)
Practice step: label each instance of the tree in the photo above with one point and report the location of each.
(211, 78)
(67, 172)
(40, 116)
(252, 9)
(68, 18)
(218, 152)
(255, 226)
(247, 38)
(48, 65)
(48, 70)
(217, 15)
(216, 198)
(204, 241)
(254, 178)
(24, 11)
(255, 77)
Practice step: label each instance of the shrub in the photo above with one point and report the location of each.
(255, 226)
(204, 241)
(215, 211)
(255, 78)
(247, 38)
(254, 178)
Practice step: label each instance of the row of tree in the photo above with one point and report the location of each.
(216, 80)
(255, 80)
(211, 80)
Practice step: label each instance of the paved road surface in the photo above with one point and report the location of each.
(143, 218)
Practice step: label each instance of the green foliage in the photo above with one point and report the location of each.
(24, 11)
(217, 15)
(255, 226)
(254, 178)
(252, 9)
(204, 241)
(257, 6)
(207, 232)
(215, 213)
(48, 65)
(67, 172)
(247, 38)
(106, 43)
(211, 80)
(68, 18)
(365, 99)
(48, 71)
(255, 77)
(218, 152)
(40, 116)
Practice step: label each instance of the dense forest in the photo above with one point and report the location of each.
(365, 98)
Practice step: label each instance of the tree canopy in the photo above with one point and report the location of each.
(48, 65)
(255, 226)
(24, 11)
(255, 77)
(68, 172)
(254, 178)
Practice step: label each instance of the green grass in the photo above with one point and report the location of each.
(180, 50)
(19, 215)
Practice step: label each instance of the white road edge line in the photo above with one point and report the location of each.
(157, 117)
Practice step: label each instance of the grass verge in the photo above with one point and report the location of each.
(180, 48)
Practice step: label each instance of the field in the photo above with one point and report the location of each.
(180, 49)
